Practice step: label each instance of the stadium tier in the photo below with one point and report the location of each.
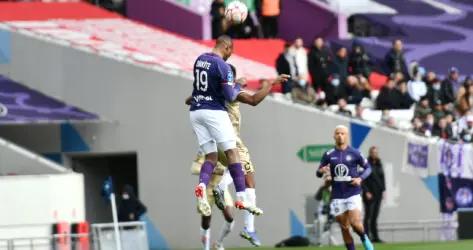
(437, 35)
(19, 104)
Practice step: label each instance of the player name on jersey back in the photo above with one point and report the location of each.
(210, 73)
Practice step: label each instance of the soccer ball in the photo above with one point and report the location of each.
(236, 12)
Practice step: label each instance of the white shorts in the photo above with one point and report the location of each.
(213, 128)
(340, 206)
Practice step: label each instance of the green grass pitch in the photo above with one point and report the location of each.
(456, 245)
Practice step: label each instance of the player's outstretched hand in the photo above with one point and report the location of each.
(325, 169)
(242, 81)
(282, 78)
(356, 181)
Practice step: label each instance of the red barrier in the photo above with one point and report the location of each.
(81, 242)
(63, 240)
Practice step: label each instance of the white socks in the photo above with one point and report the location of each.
(249, 217)
(205, 236)
(226, 229)
(226, 180)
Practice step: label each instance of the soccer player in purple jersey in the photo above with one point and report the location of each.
(343, 164)
(213, 87)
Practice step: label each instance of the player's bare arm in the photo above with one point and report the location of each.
(256, 98)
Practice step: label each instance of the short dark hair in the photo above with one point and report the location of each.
(223, 40)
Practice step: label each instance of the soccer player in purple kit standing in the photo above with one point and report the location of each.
(213, 86)
(342, 165)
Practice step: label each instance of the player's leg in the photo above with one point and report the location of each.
(339, 209)
(249, 231)
(229, 223)
(209, 147)
(344, 222)
(205, 232)
(354, 205)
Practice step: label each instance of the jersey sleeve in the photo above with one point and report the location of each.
(230, 90)
(323, 162)
(363, 162)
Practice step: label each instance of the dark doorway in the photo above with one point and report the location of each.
(96, 168)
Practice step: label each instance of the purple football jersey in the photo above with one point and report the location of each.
(213, 83)
(344, 166)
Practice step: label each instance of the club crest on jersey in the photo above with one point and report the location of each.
(349, 158)
(230, 77)
(341, 172)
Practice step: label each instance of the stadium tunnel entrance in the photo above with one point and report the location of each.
(122, 167)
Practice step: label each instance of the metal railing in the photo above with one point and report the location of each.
(392, 231)
(133, 237)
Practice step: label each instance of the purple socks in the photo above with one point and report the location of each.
(350, 246)
(238, 176)
(206, 172)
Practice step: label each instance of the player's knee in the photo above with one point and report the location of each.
(212, 157)
(232, 156)
(345, 228)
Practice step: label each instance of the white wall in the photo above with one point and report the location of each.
(31, 204)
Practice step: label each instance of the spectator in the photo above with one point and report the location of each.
(452, 82)
(130, 209)
(244, 30)
(299, 54)
(302, 93)
(450, 85)
(394, 59)
(422, 109)
(339, 64)
(435, 93)
(374, 188)
(342, 107)
(466, 134)
(355, 90)
(428, 125)
(335, 90)
(418, 126)
(416, 87)
(365, 87)
(438, 111)
(450, 118)
(405, 100)
(319, 59)
(443, 129)
(269, 11)
(388, 97)
(359, 112)
(465, 100)
(285, 64)
(359, 62)
(217, 12)
(429, 78)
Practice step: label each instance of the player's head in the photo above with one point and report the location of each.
(341, 136)
(374, 152)
(224, 46)
(233, 70)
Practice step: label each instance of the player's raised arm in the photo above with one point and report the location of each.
(256, 98)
